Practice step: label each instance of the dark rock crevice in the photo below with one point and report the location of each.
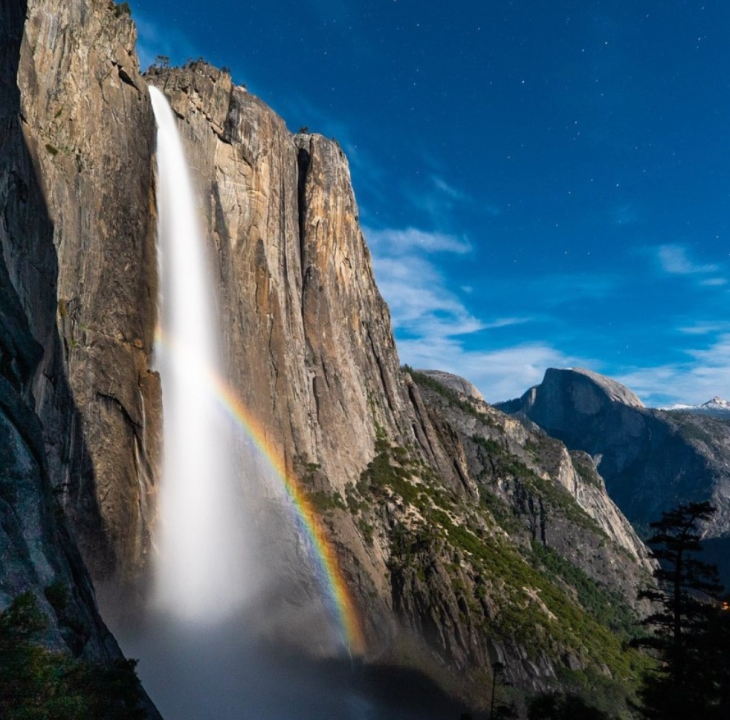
(304, 161)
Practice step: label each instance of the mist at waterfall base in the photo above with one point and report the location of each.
(233, 609)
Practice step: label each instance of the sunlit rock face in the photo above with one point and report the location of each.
(88, 124)
(298, 295)
(306, 334)
(455, 382)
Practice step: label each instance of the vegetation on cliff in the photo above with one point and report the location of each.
(473, 572)
(37, 683)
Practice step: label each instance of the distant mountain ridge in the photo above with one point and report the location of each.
(717, 407)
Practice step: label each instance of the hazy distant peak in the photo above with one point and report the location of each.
(717, 407)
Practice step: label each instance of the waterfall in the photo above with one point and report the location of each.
(199, 575)
(206, 647)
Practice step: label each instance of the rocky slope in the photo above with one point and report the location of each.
(464, 537)
(538, 491)
(454, 382)
(652, 460)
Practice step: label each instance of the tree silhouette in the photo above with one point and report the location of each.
(688, 628)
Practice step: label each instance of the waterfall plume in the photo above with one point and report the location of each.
(199, 571)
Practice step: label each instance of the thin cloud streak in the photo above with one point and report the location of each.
(403, 242)
(705, 328)
(438, 198)
(704, 375)
(674, 260)
(449, 190)
(433, 324)
(499, 374)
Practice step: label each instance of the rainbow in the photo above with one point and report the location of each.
(337, 595)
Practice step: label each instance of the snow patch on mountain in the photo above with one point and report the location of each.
(717, 407)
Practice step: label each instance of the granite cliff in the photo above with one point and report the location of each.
(87, 122)
(43, 580)
(312, 352)
(464, 537)
(37, 550)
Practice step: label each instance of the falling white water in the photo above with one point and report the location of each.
(195, 670)
(199, 575)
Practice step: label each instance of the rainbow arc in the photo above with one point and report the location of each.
(336, 592)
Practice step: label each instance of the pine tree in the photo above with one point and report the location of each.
(684, 625)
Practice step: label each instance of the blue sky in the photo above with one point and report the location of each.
(541, 183)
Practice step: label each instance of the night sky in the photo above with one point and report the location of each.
(541, 183)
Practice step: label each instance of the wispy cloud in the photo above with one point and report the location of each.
(402, 242)
(703, 327)
(438, 198)
(500, 375)
(507, 322)
(420, 301)
(432, 322)
(704, 374)
(448, 190)
(674, 259)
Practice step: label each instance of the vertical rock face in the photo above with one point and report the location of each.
(38, 554)
(308, 333)
(89, 127)
(308, 338)
(313, 359)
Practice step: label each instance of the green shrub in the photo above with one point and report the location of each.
(606, 606)
(326, 502)
(39, 684)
